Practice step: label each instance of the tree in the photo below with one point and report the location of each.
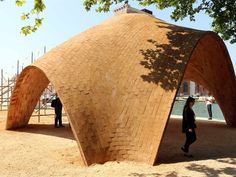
(38, 8)
(223, 12)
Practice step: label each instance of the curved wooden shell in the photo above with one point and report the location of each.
(118, 81)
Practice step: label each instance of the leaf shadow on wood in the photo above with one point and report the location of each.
(166, 60)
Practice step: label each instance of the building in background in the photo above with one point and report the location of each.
(190, 88)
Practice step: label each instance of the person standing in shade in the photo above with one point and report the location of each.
(209, 101)
(188, 125)
(56, 103)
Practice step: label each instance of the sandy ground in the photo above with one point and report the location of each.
(42, 150)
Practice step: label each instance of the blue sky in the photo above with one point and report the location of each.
(63, 20)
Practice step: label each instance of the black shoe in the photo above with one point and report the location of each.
(188, 155)
(183, 149)
(209, 118)
(56, 126)
(61, 126)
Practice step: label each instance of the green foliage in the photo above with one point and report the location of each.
(103, 5)
(37, 9)
(20, 2)
(223, 12)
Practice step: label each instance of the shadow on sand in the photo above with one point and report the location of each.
(212, 172)
(48, 129)
(215, 140)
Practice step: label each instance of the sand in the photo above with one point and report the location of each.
(42, 150)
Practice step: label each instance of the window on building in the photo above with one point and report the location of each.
(185, 87)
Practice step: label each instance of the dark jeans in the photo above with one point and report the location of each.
(58, 117)
(209, 108)
(190, 139)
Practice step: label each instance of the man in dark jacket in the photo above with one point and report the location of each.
(58, 111)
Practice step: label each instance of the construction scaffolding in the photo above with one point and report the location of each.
(6, 88)
(43, 107)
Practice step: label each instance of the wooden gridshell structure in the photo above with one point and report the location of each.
(118, 82)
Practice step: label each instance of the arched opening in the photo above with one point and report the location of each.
(27, 96)
(211, 67)
(27, 92)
